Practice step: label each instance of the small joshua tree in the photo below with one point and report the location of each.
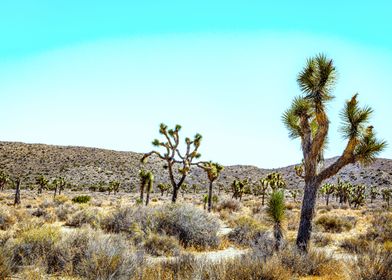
(178, 164)
(114, 186)
(163, 188)
(307, 120)
(263, 189)
(4, 180)
(373, 193)
(294, 195)
(276, 212)
(358, 195)
(327, 189)
(275, 181)
(238, 188)
(42, 183)
(213, 171)
(146, 183)
(386, 196)
(58, 185)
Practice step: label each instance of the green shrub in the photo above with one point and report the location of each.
(246, 231)
(91, 216)
(81, 199)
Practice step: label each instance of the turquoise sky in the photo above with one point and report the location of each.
(106, 73)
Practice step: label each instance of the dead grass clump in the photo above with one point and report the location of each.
(229, 204)
(91, 216)
(47, 214)
(161, 245)
(373, 264)
(246, 231)
(381, 228)
(322, 239)
(60, 199)
(192, 226)
(5, 266)
(355, 244)
(333, 223)
(7, 218)
(63, 211)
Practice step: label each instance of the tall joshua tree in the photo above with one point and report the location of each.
(327, 189)
(178, 163)
(59, 185)
(307, 119)
(213, 171)
(17, 192)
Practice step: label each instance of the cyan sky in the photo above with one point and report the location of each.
(106, 73)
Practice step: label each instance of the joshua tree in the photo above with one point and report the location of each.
(59, 185)
(184, 188)
(195, 188)
(276, 212)
(373, 193)
(294, 195)
(327, 189)
(275, 181)
(114, 186)
(146, 183)
(173, 157)
(263, 189)
(238, 188)
(307, 119)
(343, 190)
(42, 183)
(17, 192)
(213, 171)
(386, 196)
(163, 187)
(357, 195)
(4, 180)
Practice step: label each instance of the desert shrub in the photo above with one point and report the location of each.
(191, 225)
(32, 245)
(333, 223)
(229, 204)
(381, 228)
(373, 264)
(5, 266)
(355, 244)
(7, 218)
(246, 231)
(131, 220)
(81, 199)
(64, 210)
(161, 245)
(60, 199)
(314, 263)
(47, 214)
(91, 216)
(322, 239)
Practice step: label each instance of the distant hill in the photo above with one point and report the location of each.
(87, 166)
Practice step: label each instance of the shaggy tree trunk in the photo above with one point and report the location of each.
(327, 199)
(142, 193)
(175, 194)
(55, 193)
(262, 199)
(210, 197)
(278, 235)
(147, 197)
(17, 193)
(307, 213)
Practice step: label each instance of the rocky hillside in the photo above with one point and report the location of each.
(88, 166)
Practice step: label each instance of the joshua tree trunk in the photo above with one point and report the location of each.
(262, 199)
(17, 192)
(175, 194)
(55, 192)
(210, 196)
(278, 235)
(327, 199)
(307, 213)
(141, 193)
(147, 197)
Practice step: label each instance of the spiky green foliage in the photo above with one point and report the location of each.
(238, 188)
(42, 183)
(58, 185)
(274, 180)
(213, 171)
(172, 156)
(368, 147)
(276, 212)
(4, 180)
(373, 193)
(163, 188)
(357, 195)
(386, 195)
(327, 189)
(146, 184)
(115, 186)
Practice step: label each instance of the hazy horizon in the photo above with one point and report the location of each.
(105, 76)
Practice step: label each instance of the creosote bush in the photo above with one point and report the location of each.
(81, 199)
(91, 216)
(229, 204)
(246, 231)
(161, 245)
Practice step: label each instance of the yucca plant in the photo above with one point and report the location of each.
(294, 195)
(172, 155)
(373, 193)
(238, 188)
(386, 196)
(276, 212)
(58, 185)
(307, 120)
(163, 188)
(115, 186)
(357, 195)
